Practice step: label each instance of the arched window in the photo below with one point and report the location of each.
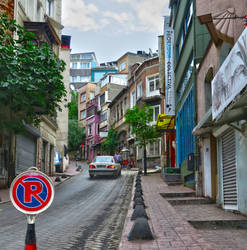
(207, 87)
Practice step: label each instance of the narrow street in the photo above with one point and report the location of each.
(85, 214)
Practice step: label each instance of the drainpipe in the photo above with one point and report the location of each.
(198, 179)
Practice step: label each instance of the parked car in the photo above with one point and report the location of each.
(104, 165)
(58, 162)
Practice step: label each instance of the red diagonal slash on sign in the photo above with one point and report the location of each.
(32, 188)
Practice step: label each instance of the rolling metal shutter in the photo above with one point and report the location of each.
(229, 170)
(25, 152)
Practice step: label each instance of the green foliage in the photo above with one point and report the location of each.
(75, 136)
(139, 121)
(110, 144)
(73, 106)
(31, 83)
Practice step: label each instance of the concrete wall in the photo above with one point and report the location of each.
(62, 116)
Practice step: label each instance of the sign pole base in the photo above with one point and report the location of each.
(30, 241)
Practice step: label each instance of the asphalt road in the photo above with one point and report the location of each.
(85, 214)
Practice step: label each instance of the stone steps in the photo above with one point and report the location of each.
(180, 194)
(189, 201)
(219, 224)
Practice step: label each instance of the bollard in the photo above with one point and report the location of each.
(138, 212)
(138, 201)
(30, 241)
(138, 184)
(137, 194)
(140, 230)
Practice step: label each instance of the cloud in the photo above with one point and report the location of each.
(122, 15)
(78, 14)
(150, 14)
(119, 17)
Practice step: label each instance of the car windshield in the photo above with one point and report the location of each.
(104, 159)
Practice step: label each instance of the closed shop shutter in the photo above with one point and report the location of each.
(25, 152)
(229, 170)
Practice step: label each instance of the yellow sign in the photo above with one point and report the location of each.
(165, 123)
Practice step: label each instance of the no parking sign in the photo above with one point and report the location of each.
(32, 192)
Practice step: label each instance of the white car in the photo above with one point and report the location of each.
(104, 165)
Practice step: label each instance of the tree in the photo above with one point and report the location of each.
(139, 121)
(76, 133)
(73, 106)
(110, 144)
(31, 83)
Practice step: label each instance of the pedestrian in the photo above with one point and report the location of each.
(117, 156)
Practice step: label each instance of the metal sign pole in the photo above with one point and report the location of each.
(30, 241)
(31, 192)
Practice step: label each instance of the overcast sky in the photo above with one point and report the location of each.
(110, 28)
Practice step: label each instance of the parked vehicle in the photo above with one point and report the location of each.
(58, 162)
(104, 165)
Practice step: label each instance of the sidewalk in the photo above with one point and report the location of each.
(69, 172)
(170, 230)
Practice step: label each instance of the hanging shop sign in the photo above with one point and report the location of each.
(231, 77)
(169, 71)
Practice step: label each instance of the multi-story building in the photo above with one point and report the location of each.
(128, 59)
(98, 73)
(43, 18)
(118, 108)
(62, 115)
(85, 94)
(92, 128)
(80, 68)
(190, 42)
(144, 89)
(221, 98)
(110, 85)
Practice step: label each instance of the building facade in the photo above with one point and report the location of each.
(221, 126)
(92, 129)
(80, 68)
(190, 41)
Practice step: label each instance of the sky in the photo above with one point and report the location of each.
(110, 28)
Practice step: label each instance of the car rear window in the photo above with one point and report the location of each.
(104, 159)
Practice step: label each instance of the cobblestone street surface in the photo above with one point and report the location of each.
(85, 214)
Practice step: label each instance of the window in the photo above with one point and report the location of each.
(139, 90)
(122, 65)
(84, 79)
(74, 65)
(83, 97)
(154, 148)
(121, 109)
(156, 112)
(91, 96)
(103, 116)
(86, 56)
(83, 114)
(153, 85)
(102, 99)
(184, 29)
(125, 104)
(90, 112)
(89, 131)
(50, 8)
(132, 98)
(84, 65)
(74, 78)
(117, 112)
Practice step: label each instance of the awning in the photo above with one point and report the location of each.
(165, 123)
(204, 125)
